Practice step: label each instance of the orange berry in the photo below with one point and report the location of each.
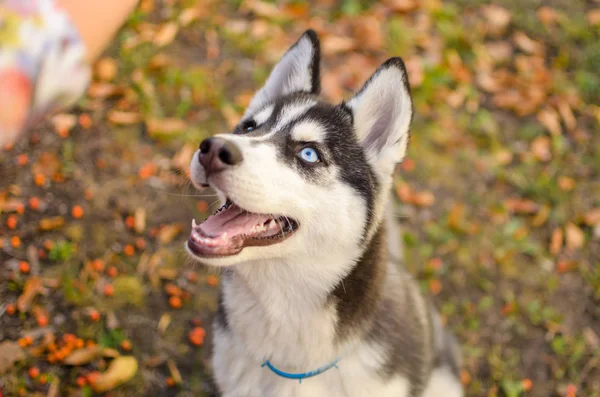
(28, 340)
(33, 372)
(81, 381)
(77, 212)
(172, 290)
(11, 222)
(98, 265)
(90, 343)
(42, 320)
(192, 277)
(48, 245)
(88, 194)
(62, 132)
(109, 290)
(92, 377)
(130, 222)
(94, 315)
(85, 120)
(408, 165)
(202, 205)
(126, 345)
(527, 384)
(58, 177)
(22, 342)
(196, 336)
(15, 242)
(69, 338)
(24, 267)
(170, 382)
(140, 243)
(129, 250)
(79, 343)
(11, 309)
(20, 208)
(213, 281)
(147, 171)
(39, 179)
(22, 159)
(571, 390)
(43, 379)
(51, 347)
(435, 286)
(175, 302)
(112, 272)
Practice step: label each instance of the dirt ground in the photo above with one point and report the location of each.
(500, 190)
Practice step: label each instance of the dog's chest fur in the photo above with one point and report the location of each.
(299, 325)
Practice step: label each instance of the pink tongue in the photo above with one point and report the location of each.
(232, 220)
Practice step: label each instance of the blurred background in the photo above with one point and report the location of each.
(500, 191)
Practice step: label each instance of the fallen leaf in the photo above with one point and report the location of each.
(527, 44)
(498, 18)
(547, 15)
(10, 353)
(556, 241)
(521, 206)
(549, 119)
(121, 369)
(168, 233)
(175, 374)
(189, 15)
(33, 287)
(593, 16)
(166, 34)
(106, 69)
(540, 147)
(592, 217)
(567, 115)
(83, 356)
(123, 118)
(332, 45)
(541, 217)
(167, 273)
(139, 224)
(54, 389)
(52, 223)
(499, 51)
(424, 199)
(368, 32)
(64, 122)
(100, 90)
(263, 9)
(401, 5)
(566, 184)
(230, 115)
(165, 126)
(574, 236)
(415, 69)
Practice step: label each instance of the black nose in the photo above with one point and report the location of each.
(217, 154)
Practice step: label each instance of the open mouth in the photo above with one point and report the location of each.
(231, 229)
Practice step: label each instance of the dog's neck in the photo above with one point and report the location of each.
(282, 309)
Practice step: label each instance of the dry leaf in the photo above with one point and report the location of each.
(263, 9)
(106, 69)
(189, 15)
(540, 147)
(401, 5)
(10, 353)
(54, 389)
(542, 216)
(123, 118)
(593, 17)
(102, 90)
(175, 374)
(592, 217)
(547, 15)
(230, 115)
(556, 242)
(121, 369)
(527, 45)
(166, 34)
(566, 183)
(498, 18)
(499, 51)
(51, 223)
(549, 119)
(139, 217)
(455, 217)
(64, 122)
(83, 356)
(168, 233)
(165, 126)
(183, 157)
(332, 45)
(423, 199)
(368, 33)
(415, 69)
(167, 273)
(521, 206)
(567, 115)
(575, 237)
(33, 287)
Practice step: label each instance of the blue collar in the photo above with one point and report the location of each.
(303, 375)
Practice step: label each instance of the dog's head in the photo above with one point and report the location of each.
(301, 178)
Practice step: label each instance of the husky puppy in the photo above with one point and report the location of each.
(312, 303)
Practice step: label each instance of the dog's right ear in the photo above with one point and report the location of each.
(297, 71)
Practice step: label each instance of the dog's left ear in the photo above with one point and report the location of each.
(382, 112)
(297, 71)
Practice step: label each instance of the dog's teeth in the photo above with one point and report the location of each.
(272, 224)
(194, 224)
(224, 236)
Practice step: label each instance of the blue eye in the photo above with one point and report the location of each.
(309, 155)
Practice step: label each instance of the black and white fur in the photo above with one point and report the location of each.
(332, 289)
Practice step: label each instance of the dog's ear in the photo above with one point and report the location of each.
(382, 112)
(297, 71)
